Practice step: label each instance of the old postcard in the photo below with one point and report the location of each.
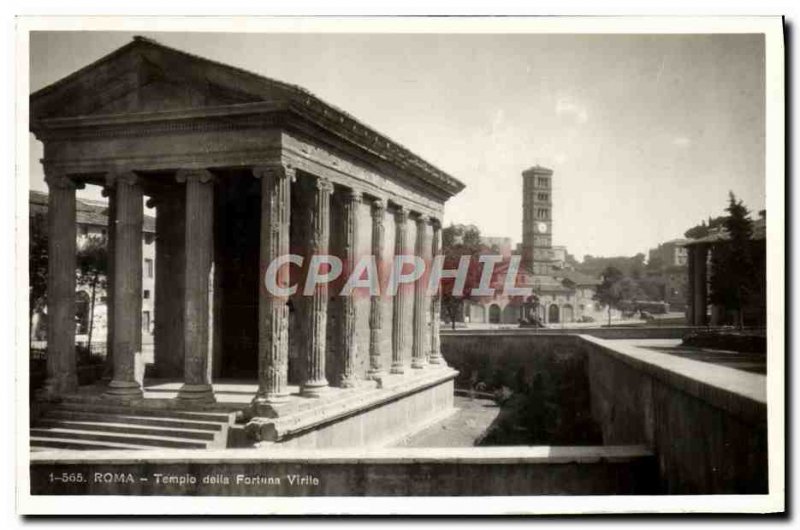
(400, 265)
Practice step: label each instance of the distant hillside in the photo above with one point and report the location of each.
(630, 266)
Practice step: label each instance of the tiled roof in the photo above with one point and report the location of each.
(301, 100)
(720, 234)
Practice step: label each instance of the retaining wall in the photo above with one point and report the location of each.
(707, 424)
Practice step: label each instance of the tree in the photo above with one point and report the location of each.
(732, 263)
(628, 265)
(460, 240)
(37, 265)
(655, 264)
(651, 289)
(92, 261)
(607, 293)
(703, 229)
(637, 266)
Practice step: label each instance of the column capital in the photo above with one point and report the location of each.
(401, 214)
(323, 185)
(60, 180)
(276, 171)
(154, 202)
(435, 222)
(202, 176)
(124, 176)
(378, 207)
(352, 195)
(421, 219)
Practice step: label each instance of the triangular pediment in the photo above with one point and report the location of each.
(145, 76)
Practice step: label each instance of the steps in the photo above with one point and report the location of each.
(75, 425)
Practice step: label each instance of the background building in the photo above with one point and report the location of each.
(666, 266)
(699, 271)
(565, 296)
(92, 222)
(670, 253)
(537, 220)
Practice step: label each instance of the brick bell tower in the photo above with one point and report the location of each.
(537, 219)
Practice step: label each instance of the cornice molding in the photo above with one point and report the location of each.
(245, 116)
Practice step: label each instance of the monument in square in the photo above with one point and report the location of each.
(241, 170)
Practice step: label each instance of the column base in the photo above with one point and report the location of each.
(198, 393)
(349, 382)
(124, 390)
(437, 360)
(267, 407)
(315, 390)
(55, 387)
(418, 364)
(398, 369)
(375, 374)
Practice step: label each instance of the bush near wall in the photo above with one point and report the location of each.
(545, 377)
(746, 341)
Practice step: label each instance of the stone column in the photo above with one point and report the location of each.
(690, 286)
(700, 286)
(376, 370)
(198, 255)
(108, 192)
(421, 307)
(273, 311)
(127, 301)
(315, 384)
(61, 246)
(351, 200)
(435, 356)
(169, 296)
(399, 313)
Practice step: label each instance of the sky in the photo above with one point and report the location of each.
(646, 134)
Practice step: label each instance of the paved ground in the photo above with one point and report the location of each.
(461, 429)
(748, 362)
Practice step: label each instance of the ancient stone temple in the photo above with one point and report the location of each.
(242, 169)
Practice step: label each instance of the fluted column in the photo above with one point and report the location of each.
(108, 192)
(349, 349)
(273, 311)
(700, 291)
(198, 256)
(169, 296)
(399, 313)
(376, 370)
(61, 362)
(421, 308)
(127, 289)
(315, 383)
(435, 356)
(690, 316)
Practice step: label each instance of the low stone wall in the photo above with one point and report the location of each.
(707, 424)
(613, 333)
(410, 471)
(541, 381)
(367, 418)
(497, 358)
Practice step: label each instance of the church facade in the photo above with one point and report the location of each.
(564, 296)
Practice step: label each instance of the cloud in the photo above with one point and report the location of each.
(569, 108)
(681, 141)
